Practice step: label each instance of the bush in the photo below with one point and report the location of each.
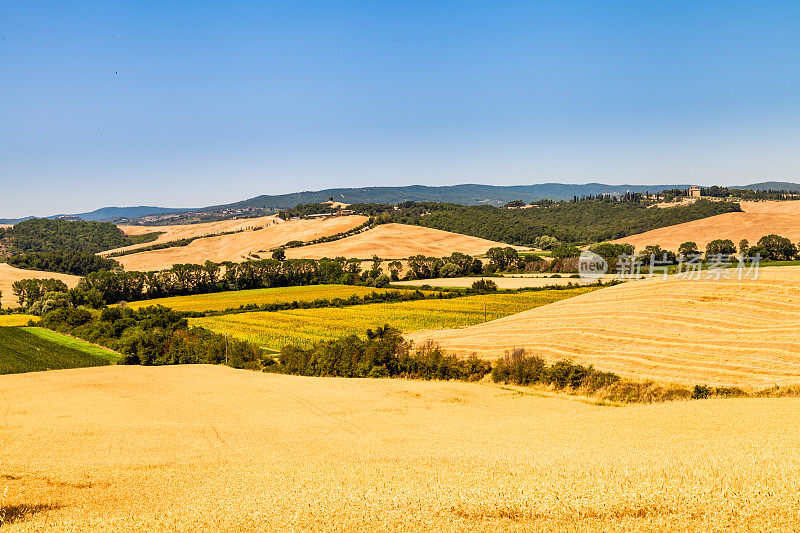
(701, 392)
(520, 368)
(484, 286)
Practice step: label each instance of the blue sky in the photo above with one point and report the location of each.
(196, 103)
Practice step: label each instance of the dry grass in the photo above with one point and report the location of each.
(396, 241)
(757, 220)
(742, 333)
(307, 326)
(215, 449)
(9, 274)
(238, 246)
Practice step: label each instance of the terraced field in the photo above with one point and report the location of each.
(34, 349)
(220, 301)
(306, 326)
(127, 449)
(721, 332)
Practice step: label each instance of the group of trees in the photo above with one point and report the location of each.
(153, 336)
(521, 368)
(383, 353)
(62, 246)
(45, 235)
(65, 262)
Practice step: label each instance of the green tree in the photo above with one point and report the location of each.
(689, 249)
(743, 245)
(778, 248)
(279, 254)
(720, 248)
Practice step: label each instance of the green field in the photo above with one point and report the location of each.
(33, 349)
(306, 326)
(16, 320)
(220, 301)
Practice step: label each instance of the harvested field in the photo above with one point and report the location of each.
(505, 282)
(238, 246)
(307, 326)
(757, 220)
(189, 231)
(396, 241)
(9, 274)
(724, 332)
(220, 301)
(202, 448)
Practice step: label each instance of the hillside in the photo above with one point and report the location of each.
(202, 448)
(396, 241)
(191, 231)
(238, 246)
(583, 221)
(724, 332)
(756, 220)
(36, 349)
(9, 274)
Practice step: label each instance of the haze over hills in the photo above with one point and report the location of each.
(109, 214)
(467, 194)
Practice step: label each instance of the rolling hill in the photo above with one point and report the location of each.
(396, 241)
(239, 246)
(202, 448)
(720, 332)
(756, 220)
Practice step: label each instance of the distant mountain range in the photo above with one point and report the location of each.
(108, 214)
(468, 194)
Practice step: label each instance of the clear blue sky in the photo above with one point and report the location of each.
(195, 103)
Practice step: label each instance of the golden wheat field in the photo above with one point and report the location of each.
(239, 246)
(756, 220)
(721, 332)
(220, 301)
(10, 274)
(202, 448)
(304, 327)
(396, 241)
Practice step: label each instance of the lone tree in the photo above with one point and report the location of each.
(279, 254)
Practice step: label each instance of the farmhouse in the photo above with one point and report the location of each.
(694, 191)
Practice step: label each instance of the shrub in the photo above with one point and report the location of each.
(484, 286)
